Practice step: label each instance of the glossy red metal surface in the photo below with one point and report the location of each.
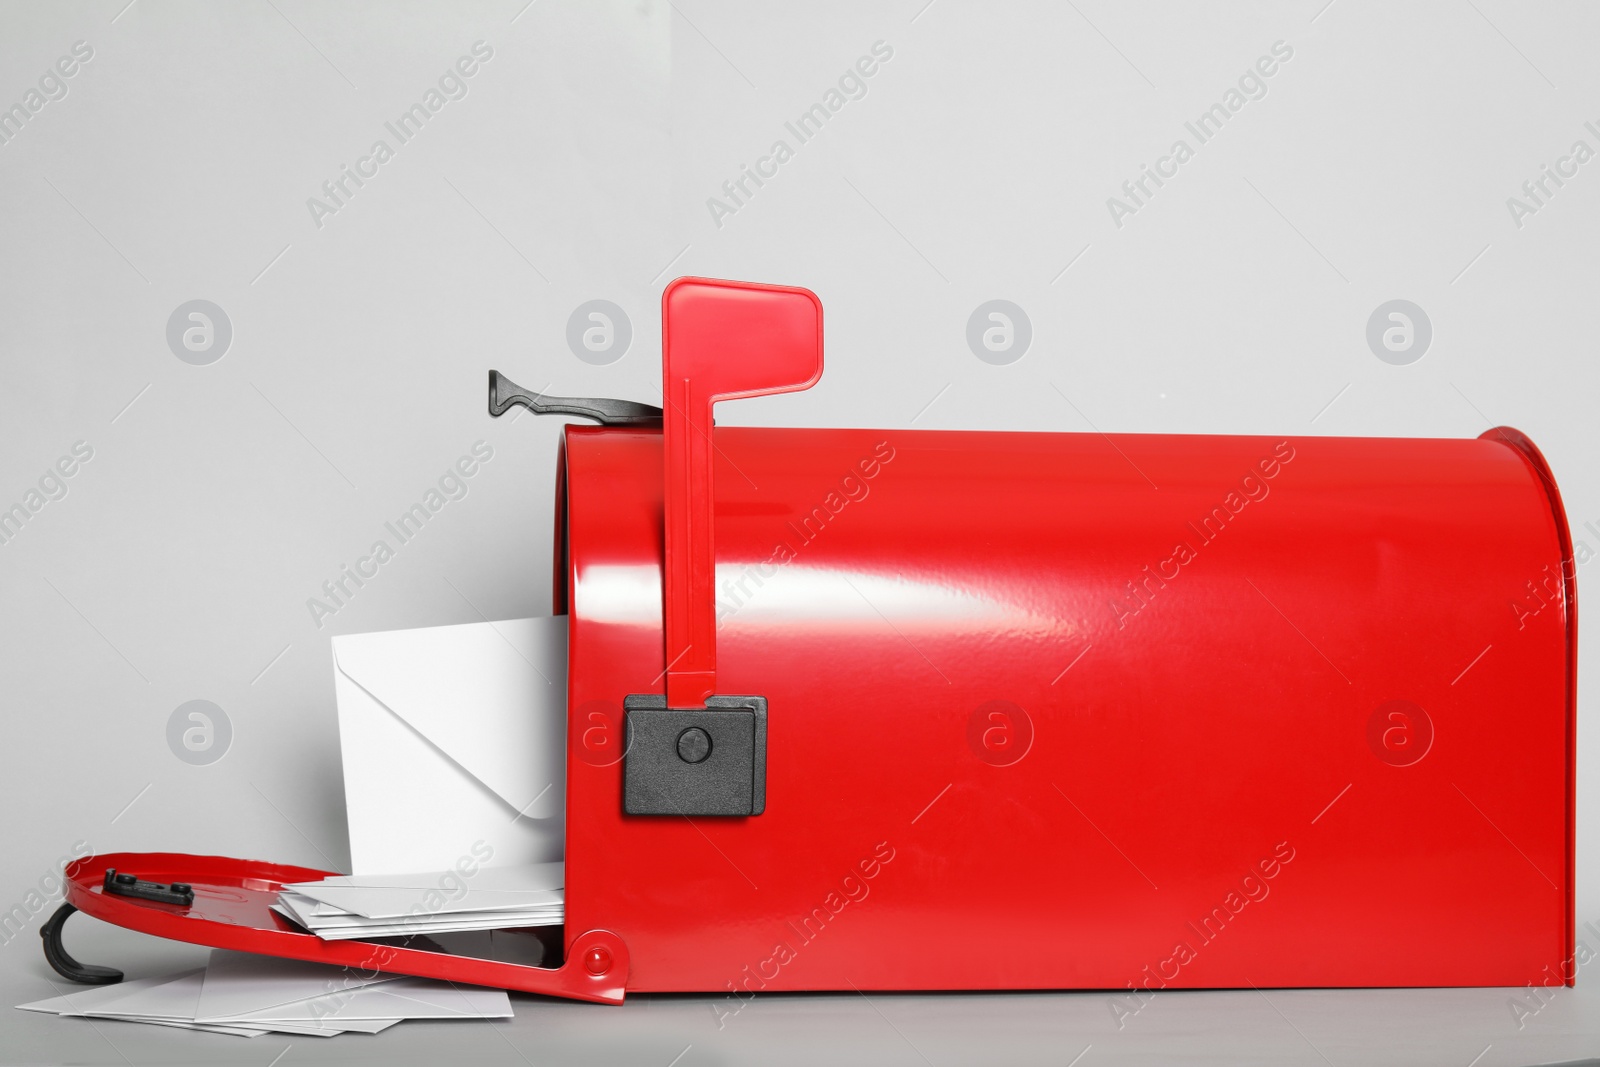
(231, 910)
(1085, 711)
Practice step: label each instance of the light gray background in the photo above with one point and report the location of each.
(976, 167)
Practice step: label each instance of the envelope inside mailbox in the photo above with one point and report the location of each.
(453, 744)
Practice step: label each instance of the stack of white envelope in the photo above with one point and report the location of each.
(247, 996)
(365, 906)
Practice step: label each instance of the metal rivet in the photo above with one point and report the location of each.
(694, 745)
(597, 960)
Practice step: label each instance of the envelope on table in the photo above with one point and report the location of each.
(236, 984)
(171, 1000)
(175, 1003)
(404, 998)
(453, 741)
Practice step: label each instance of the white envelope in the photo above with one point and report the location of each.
(171, 1000)
(506, 878)
(405, 998)
(173, 1004)
(414, 903)
(239, 983)
(454, 745)
(419, 896)
(81, 1000)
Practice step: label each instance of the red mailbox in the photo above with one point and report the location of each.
(945, 710)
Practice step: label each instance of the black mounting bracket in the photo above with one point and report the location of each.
(129, 885)
(695, 761)
(63, 963)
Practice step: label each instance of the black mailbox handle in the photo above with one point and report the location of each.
(504, 394)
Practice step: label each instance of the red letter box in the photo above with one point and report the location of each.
(944, 710)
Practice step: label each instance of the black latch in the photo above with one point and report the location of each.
(695, 761)
(505, 394)
(129, 885)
